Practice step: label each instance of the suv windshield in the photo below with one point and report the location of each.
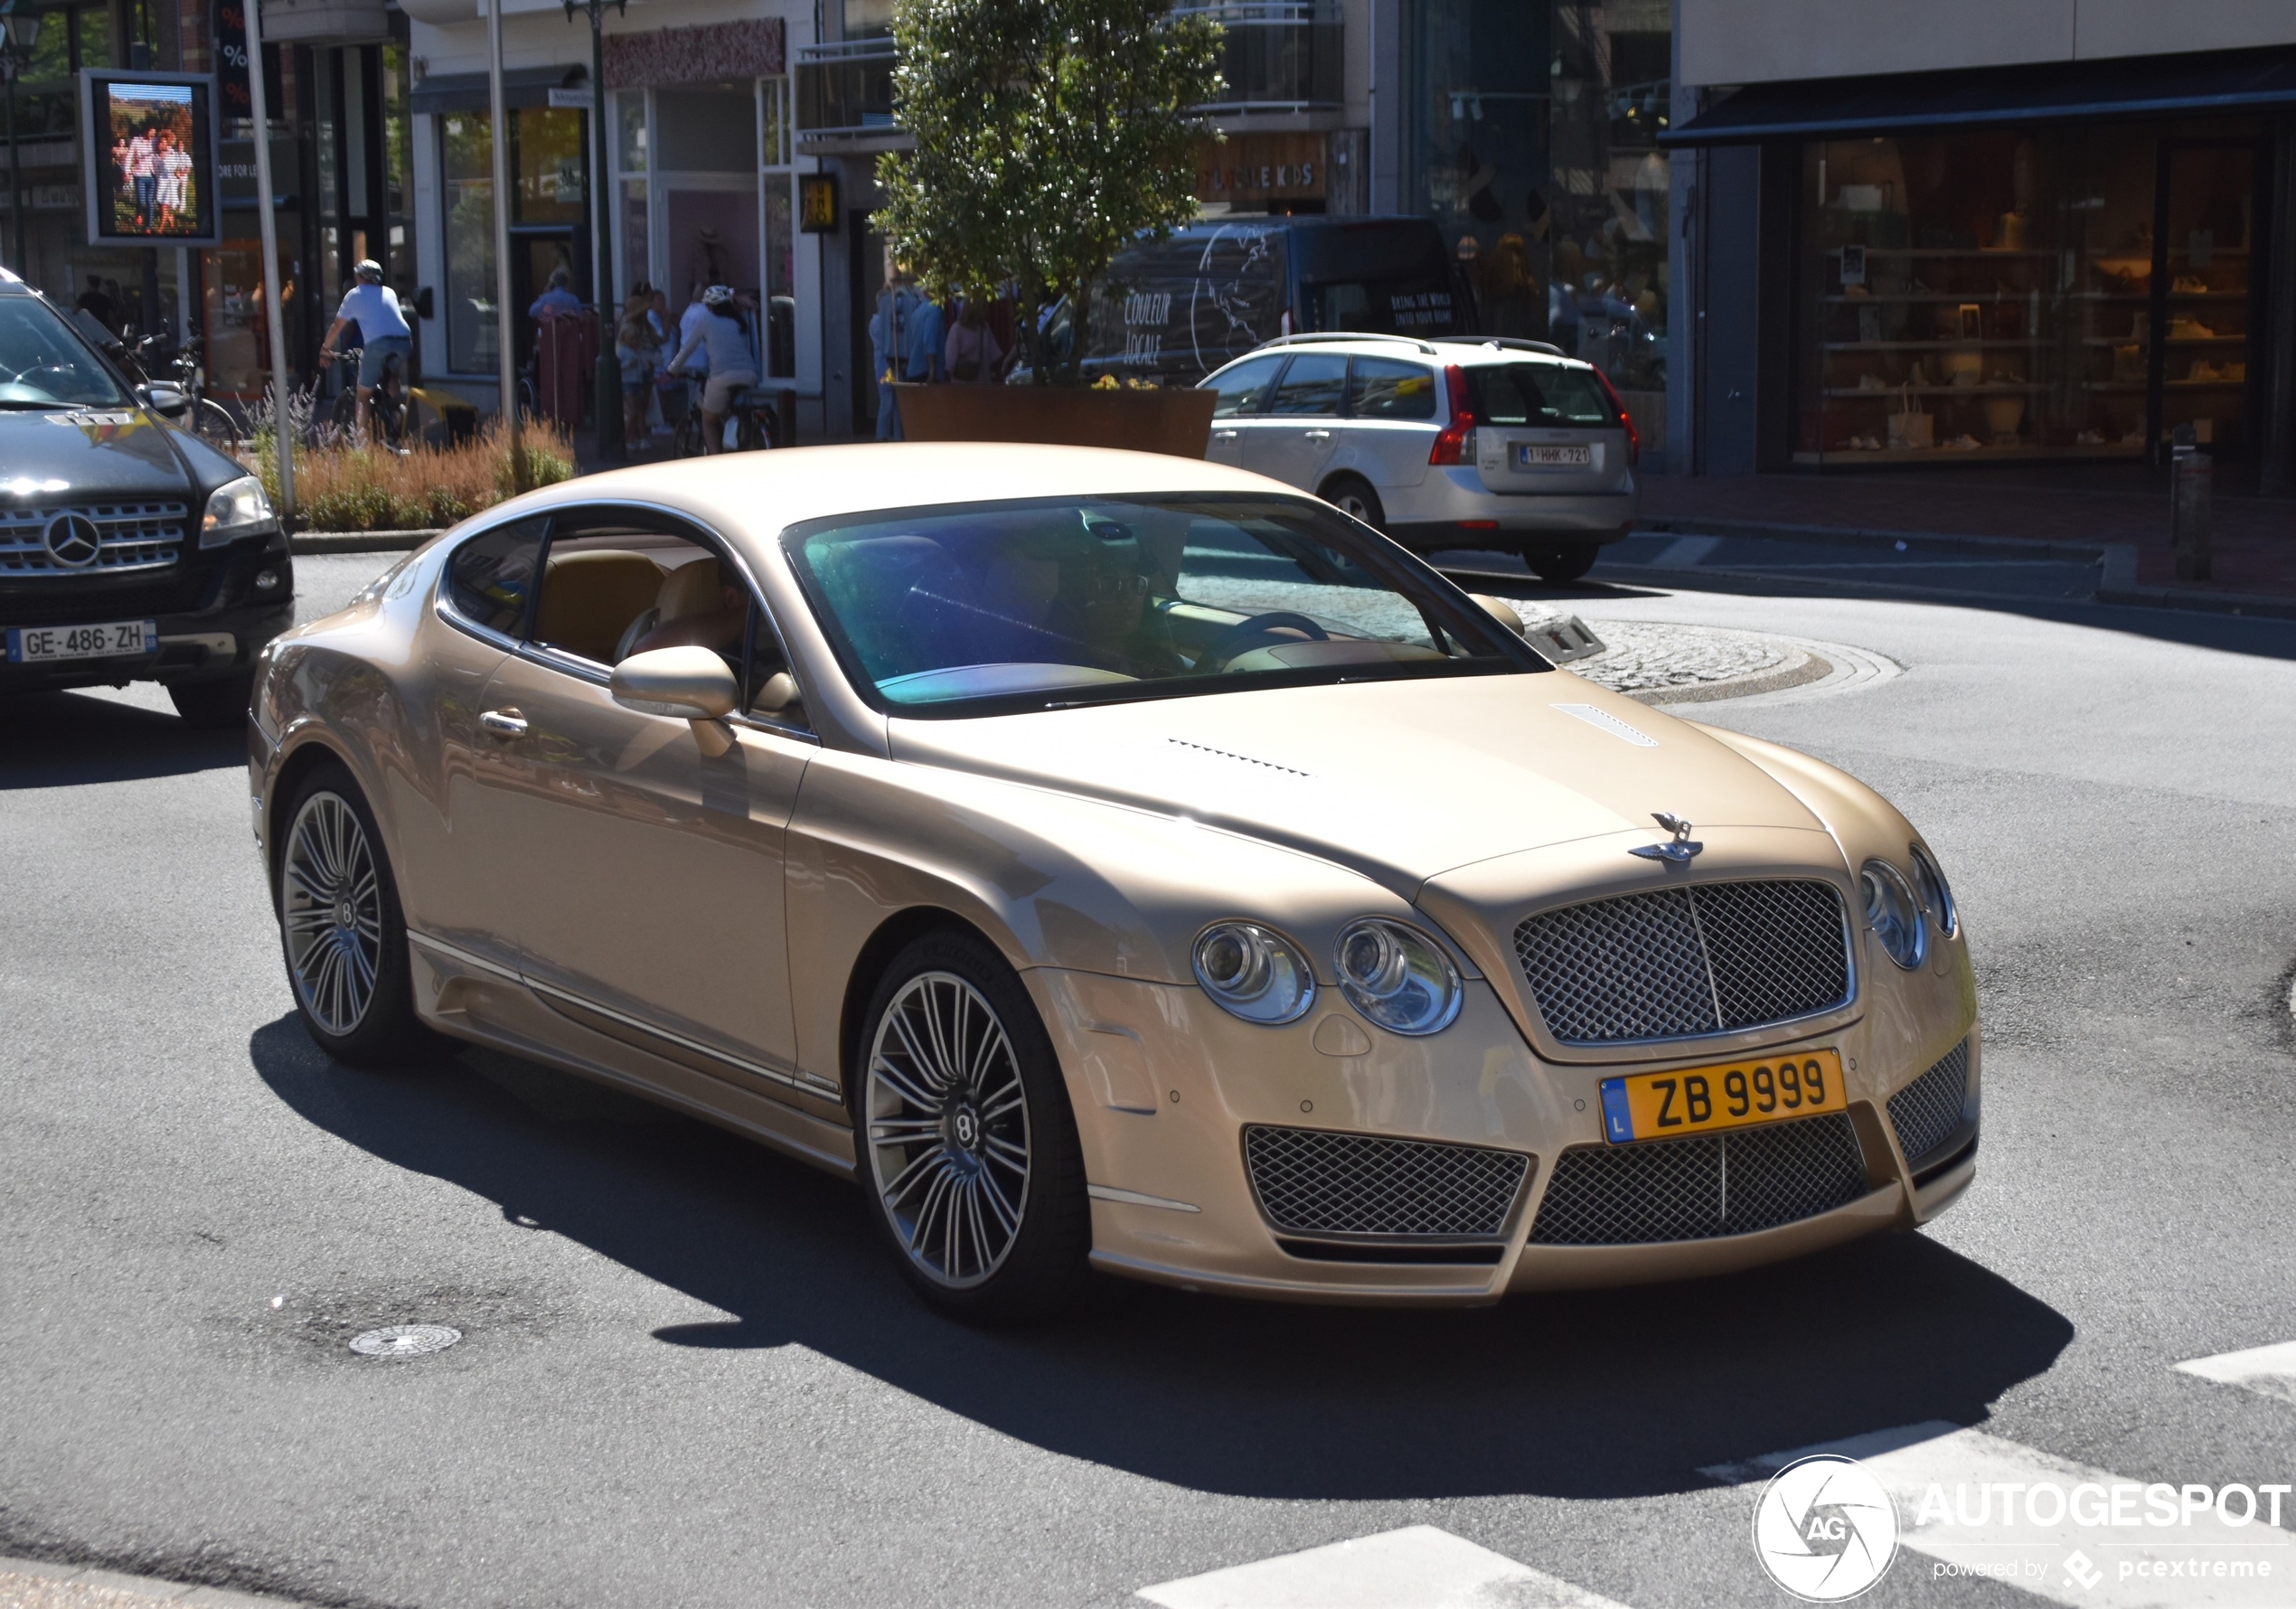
(43, 365)
(992, 607)
(1538, 394)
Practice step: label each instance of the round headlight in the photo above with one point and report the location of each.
(1254, 973)
(1934, 894)
(1893, 913)
(1397, 976)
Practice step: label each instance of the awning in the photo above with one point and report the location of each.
(2202, 84)
(522, 86)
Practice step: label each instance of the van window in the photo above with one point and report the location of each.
(1244, 388)
(1406, 304)
(1539, 394)
(1384, 389)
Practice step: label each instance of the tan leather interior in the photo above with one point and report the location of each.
(588, 598)
(688, 590)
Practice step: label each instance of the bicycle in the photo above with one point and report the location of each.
(751, 425)
(183, 368)
(386, 407)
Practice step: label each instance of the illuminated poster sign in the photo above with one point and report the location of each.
(149, 170)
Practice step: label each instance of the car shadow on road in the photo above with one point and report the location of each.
(1593, 1394)
(67, 739)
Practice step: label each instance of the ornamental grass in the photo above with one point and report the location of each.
(340, 486)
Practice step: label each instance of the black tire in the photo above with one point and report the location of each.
(1559, 563)
(686, 441)
(1352, 495)
(384, 1030)
(216, 706)
(919, 1143)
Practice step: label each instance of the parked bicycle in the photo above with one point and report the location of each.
(187, 370)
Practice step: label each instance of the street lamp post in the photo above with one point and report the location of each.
(611, 447)
(22, 36)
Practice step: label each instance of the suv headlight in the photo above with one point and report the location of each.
(1934, 894)
(1893, 913)
(1254, 973)
(235, 508)
(1397, 976)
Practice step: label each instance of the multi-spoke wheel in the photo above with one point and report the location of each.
(966, 1142)
(340, 923)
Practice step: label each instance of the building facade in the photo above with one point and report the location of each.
(1972, 233)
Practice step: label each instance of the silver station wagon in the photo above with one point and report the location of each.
(1463, 441)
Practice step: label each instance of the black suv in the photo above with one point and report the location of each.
(129, 550)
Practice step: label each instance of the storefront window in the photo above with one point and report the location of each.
(2020, 294)
(467, 152)
(1481, 149)
(549, 166)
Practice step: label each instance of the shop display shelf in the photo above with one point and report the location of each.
(2017, 343)
(1989, 388)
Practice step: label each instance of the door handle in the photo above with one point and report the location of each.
(504, 723)
(1223, 436)
(1319, 435)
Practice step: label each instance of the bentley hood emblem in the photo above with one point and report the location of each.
(1679, 853)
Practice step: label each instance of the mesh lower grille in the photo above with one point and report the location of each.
(1926, 1112)
(1708, 958)
(1698, 1189)
(1311, 1181)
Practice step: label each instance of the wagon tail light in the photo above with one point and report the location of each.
(1455, 442)
(1634, 436)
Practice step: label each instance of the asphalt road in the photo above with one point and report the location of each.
(688, 1377)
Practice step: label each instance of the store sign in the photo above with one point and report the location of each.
(1248, 168)
(55, 198)
(817, 203)
(148, 167)
(580, 100)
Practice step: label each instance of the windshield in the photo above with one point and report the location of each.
(997, 607)
(43, 365)
(1539, 394)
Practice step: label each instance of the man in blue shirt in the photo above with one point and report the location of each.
(556, 298)
(372, 307)
(888, 346)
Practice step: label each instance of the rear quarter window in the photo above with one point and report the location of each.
(491, 576)
(1539, 394)
(1384, 389)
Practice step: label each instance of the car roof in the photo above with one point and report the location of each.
(731, 491)
(1468, 351)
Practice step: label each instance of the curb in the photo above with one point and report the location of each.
(358, 541)
(95, 1584)
(1850, 536)
(2246, 605)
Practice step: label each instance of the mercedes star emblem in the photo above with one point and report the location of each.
(73, 540)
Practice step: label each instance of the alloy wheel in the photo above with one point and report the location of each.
(948, 1129)
(330, 908)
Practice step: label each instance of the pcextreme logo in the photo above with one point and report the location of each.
(1824, 1528)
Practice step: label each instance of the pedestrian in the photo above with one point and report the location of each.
(925, 346)
(724, 340)
(556, 300)
(97, 306)
(639, 350)
(975, 356)
(888, 333)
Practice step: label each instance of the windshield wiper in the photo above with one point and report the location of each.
(29, 406)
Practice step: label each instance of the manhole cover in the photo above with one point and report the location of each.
(405, 1340)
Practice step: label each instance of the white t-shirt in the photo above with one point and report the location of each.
(375, 308)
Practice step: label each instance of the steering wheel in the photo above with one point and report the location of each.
(1232, 642)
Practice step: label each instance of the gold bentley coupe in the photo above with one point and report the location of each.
(1112, 861)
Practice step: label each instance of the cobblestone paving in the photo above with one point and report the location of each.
(1644, 656)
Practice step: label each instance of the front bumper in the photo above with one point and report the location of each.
(214, 628)
(1164, 1085)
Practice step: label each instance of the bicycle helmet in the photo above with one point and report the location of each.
(718, 297)
(369, 269)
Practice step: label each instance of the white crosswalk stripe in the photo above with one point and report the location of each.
(2123, 1567)
(1420, 1566)
(2269, 1372)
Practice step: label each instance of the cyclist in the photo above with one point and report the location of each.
(372, 307)
(724, 339)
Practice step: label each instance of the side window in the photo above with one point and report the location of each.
(491, 576)
(610, 589)
(1316, 382)
(761, 695)
(1384, 389)
(1244, 388)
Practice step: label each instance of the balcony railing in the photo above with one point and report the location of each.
(1276, 55)
(845, 89)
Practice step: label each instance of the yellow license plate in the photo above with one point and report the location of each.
(1698, 1100)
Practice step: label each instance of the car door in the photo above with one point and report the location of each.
(1240, 393)
(1295, 438)
(1390, 427)
(651, 901)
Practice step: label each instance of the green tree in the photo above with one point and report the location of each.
(1050, 134)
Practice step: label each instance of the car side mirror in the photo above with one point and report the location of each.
(1500, 610)
(691, 683)
(166, 400)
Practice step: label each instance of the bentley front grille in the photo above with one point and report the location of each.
(98, 539)
(1698, 1189)
(1926, 1113)
(1704, 958)
(1312, 1181)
